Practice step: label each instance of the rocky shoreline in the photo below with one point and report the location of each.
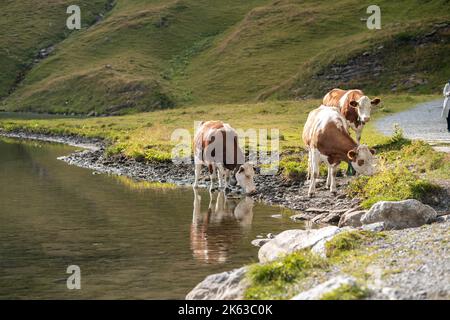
(407, 260)
(272, 189)
(323, 208)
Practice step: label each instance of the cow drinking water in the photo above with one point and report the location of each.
(216, 145)
(326, 136)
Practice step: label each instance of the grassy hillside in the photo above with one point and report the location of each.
(29, 26)
(147, 55)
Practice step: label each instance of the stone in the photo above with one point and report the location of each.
(351, 218)
(409, 213)
(302, 216)
(260, 242)
(229, 285)
(319, 291)
(293, 240)
(374, 227)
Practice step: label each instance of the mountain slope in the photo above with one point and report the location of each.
(147, 55)
(28, 26)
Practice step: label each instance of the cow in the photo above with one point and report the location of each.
(216, 145)
(353, 105)
(326, 136)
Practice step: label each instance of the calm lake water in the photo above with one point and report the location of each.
(131, 240)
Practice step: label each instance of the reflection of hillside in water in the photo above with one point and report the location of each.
(215, 230)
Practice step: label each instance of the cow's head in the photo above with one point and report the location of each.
(363, 160)
(244, 178)
(364, 106)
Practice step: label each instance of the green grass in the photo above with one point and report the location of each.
(270, 281)
(30, 26)
(147, 135)
(154, 54)
(348, 241)
(406, 171)
(347, 292)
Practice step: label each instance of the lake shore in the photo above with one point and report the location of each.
(272, 189)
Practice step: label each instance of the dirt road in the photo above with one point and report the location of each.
(423, 122)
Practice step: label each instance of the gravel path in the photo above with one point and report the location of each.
(414, 263)
(422, 122)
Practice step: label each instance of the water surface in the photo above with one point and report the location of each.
(131, 240)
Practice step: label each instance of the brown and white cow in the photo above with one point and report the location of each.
(326, 135)
(216, 145)
(353, 105)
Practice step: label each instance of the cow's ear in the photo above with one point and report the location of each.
(353, 103)
(375, 101)
(352, 154)
(372, 151)
(241, 169)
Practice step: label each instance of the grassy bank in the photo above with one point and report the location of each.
(406, 168)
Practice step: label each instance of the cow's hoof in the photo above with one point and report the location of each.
(227, 190)
(311, 195)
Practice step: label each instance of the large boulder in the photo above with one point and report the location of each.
(400, 214)
(319, 291)
(229, 285)
(293, 240)
(351, 218)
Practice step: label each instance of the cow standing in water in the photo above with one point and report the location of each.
(326, 135)
(216, 145)
(354, 106)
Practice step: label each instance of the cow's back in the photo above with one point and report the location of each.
(333, 97)
(205, 147)
(341, 98)
(325, 128)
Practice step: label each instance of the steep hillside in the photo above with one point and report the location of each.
(27, 27)
(147, 55)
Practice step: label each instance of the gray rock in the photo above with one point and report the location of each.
(375, 227)
(260, 242)
(229, 285)
(351, 218)
(409, 213)
(293, 240)
(319, 291)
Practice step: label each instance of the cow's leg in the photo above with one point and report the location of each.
(212, 175)
(227, 180)
(198, 171)
(220, 174)
(227, 177)
(332, 170)
(328, 176)
(315, 161)
(308, 176)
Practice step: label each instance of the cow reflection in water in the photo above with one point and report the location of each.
(216, 230)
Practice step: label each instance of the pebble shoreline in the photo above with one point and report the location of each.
(272, 189)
